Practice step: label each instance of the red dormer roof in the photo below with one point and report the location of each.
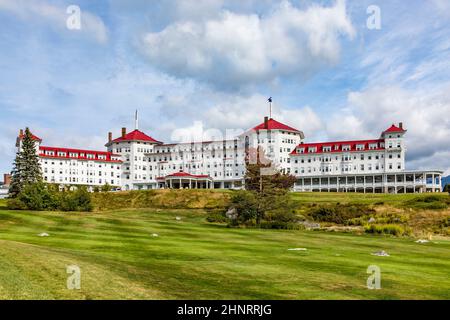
(337, 146)
(274, 125)
(136, 135)
(78, 154)
(393, 129)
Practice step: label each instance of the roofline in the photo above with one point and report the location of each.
(80, 150)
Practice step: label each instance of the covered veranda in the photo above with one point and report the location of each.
(184, 180)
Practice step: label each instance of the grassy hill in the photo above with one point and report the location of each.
(192, 259)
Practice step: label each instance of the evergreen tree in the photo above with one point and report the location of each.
(26, 167)
(268, 185)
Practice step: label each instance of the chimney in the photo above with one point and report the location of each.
(266, 122)
(109, 136)
(20, 132)
(124, 132)
(400, 125)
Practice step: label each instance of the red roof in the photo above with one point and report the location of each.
(185, 174)
(394, 128)
(136, 135)
(274, 125)
(337, 146)
(35, 138)
(79, 154)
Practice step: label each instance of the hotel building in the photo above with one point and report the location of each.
(135, 161)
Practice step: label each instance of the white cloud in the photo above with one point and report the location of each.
(91, 24)
(235, 49)
(425, 114)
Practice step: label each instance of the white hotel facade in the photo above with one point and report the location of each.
(135, 161)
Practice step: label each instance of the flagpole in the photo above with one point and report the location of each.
(136, 123)
(270, 107)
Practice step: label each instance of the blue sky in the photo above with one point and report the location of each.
(214, 63)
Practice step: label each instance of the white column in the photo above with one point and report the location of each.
(404, 182)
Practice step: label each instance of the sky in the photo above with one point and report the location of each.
(337, 70)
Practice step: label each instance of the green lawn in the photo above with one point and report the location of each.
(192, 259)
(398, 200)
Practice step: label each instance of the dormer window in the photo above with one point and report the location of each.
(359, 147)
(326, 149)
(301, 150)
(346, 147)
(312, 149)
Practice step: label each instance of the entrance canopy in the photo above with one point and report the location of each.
(184, 180)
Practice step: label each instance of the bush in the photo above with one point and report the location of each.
(391, 229)
(36, 196)
(216, 216)
(430, 202)
(15, 204)
(340, 214)
(40, 196)
(78, 200)
(245, 203)
(445, 222)
(380, 218)
(106, 187)
(280, 225)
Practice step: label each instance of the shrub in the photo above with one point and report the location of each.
(280, 225)
(40, 196)
(380, 218)
(36, 196)
(245, 203)
(430, 202)
(217, 217)
(392, 229)
(15, 204)
(78, 200)
(340, 214)
(283, 216)
(106, 187)
(445, 222)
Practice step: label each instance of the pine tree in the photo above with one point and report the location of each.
(269, 186)
(26, 167)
